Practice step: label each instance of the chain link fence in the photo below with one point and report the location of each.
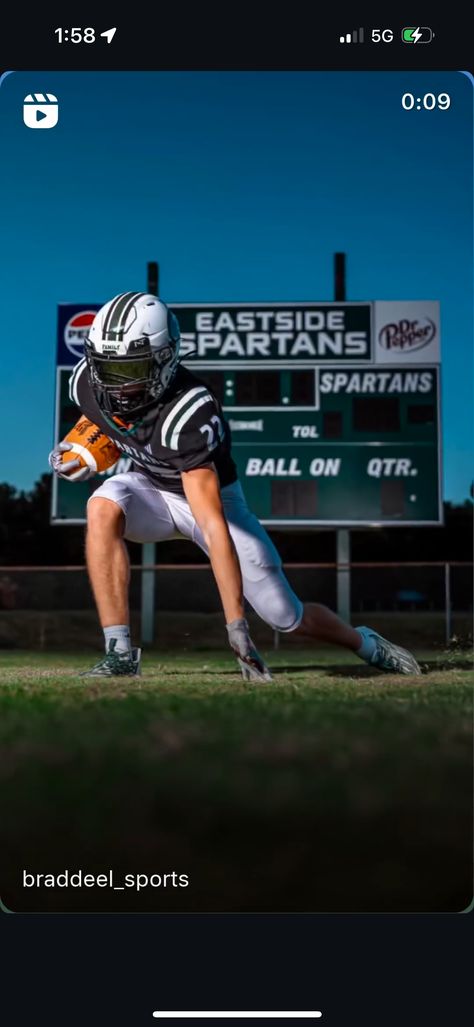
(54, 605)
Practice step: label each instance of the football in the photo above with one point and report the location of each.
(91, 446)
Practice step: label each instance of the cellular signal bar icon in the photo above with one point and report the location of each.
(356, 36)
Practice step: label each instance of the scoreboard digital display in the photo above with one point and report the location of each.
(334, 407)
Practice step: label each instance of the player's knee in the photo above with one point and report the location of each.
(104, 515)
(281, 609)
(289, 618)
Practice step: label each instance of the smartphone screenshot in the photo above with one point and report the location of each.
(236, 500)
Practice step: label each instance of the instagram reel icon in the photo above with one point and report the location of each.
(40, 110)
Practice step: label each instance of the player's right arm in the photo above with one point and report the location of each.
(65, 470)
(68, 469)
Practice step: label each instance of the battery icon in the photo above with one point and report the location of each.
(417, 35)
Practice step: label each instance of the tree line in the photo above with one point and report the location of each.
(28, 538)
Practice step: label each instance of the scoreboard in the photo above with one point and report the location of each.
(334, 407)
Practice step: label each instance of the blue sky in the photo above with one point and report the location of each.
(242, 185)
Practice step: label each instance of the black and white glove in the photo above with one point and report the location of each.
(70, 470)
(251, 664)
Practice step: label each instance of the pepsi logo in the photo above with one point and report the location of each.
(76, 331)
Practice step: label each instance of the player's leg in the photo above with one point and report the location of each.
(125, 506)
(323, 625)
(107, 560)
(265, 585)
(270, 594)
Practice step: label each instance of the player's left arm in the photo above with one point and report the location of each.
(197, 441)
(202, 491)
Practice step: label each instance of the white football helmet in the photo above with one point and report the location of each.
(132, 353)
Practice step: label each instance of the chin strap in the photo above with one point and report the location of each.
(121, 426)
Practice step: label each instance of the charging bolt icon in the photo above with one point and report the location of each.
(417, 35)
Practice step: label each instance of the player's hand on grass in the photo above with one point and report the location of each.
(251, 664)
(65, 470)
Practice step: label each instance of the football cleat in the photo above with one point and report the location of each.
(115, 664)
(388, 656)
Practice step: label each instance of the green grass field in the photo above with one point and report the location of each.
(334, 788)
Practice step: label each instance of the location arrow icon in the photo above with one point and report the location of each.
(109, 34)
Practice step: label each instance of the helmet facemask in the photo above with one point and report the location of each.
(128, 386)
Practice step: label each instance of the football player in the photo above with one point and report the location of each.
(182, 483)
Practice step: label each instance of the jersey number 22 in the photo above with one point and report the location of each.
(214, 432)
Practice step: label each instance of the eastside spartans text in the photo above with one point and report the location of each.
(274, 333)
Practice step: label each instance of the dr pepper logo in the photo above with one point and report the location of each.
(76, 331)
(407, 335)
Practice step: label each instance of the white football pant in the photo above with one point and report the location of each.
(153, 515)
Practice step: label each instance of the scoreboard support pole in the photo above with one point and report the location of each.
(343, 538)
(447, 602)
(147, 625)
(343, 572)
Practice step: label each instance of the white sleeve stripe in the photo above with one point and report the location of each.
(207, 398)
(198, 391)
(74, 379)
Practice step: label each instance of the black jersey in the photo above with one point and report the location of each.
(184, 431)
